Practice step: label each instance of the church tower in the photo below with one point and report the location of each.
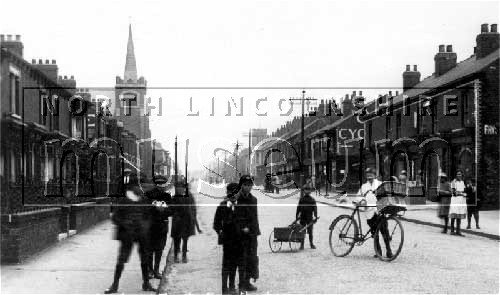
(130, 102)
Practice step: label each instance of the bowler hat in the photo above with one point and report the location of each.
(232, 187)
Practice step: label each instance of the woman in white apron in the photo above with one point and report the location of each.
(458, 203)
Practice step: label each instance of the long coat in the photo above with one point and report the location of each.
(246, 215)
(224, 223)
(159, 225)
(132, 220)
(184, 216)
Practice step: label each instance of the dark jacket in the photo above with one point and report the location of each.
(159, 218)
(473, 196)
(245, 214)
(306, 209)
(224, 222)
(132, 220)
(184, 216)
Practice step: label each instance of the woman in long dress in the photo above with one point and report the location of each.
(458, 203)
(444, 200)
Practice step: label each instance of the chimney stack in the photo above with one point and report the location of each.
(50, 70)
(486, 42)
(14, 45)
(411, 78)
(444, 61)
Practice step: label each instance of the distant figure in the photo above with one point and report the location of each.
(132, 217)
(458, 204)
(444, 197)
(306, 212)
(473, 202)
(227, 232)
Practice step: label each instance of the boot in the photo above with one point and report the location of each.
(311, 242)
(302, 245)
(452, 226)
(116, 279)
(146, 286)
(176, 258)
(249, 287)
(445, 230)
(458, 228)
(184, 258)
(156, 271)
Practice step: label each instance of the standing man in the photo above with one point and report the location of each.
(183, 220)
(306, 212)
(159, 227)
(133, 221)
(227, 233)
(246, 218)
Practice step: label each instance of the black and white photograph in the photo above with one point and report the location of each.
(249, 147)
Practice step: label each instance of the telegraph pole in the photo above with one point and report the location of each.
(175, 167)
(236, 156)
(249, 151)
(302, 141)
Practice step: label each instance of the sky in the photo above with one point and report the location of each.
(291, 45)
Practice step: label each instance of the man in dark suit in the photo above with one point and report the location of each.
(227, 233)
(247, 223)
(306, 212)
(160, 212)
(133, 221)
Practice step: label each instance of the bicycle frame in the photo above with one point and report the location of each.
(360, 236)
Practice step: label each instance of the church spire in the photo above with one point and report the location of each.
(130, 66)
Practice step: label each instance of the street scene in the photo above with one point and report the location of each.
(236, 148)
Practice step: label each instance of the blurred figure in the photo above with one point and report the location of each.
(458, 204)
(306, 212)
(225, 227)
(133, 221)
(444, 197)
(473, 202)
(160, 212)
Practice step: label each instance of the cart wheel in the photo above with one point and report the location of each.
(393, 240)
(273, 243)
(294, 241)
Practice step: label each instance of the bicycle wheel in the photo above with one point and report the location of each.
(343, 232)
(390, 231)
(274, 244)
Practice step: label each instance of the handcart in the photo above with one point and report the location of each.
(293, 234)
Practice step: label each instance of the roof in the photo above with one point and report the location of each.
(330, 126)
(465, 68)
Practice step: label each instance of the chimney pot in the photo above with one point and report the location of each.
(360, 93)
(33, 61)
(53, 61)
(18, 37)
(441, 48)
(1, 37)
(397, 93)
(46, 61)
(407, 68)
(415, 68)
(484, 28)
(449, 48)
(65, 77)
(390, 92)
(40, 61)
(493, 28)
(72, 77)
(9, 37)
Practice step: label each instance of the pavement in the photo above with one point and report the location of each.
(430, 262)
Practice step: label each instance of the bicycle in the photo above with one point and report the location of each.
(346, 232)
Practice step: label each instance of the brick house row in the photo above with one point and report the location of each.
(445, 122)
(60, 154)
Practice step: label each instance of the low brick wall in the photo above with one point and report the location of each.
(86, 215)
(24, 234)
